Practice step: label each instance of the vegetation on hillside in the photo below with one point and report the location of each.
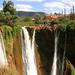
(9, 17)
(64, 23)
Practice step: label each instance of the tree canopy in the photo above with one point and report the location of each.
(8, 14)
(9, 7)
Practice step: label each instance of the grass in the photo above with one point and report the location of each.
(23, 23)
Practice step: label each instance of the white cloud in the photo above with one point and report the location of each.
(58, 6)
(31, 0)
(23, 7)
(0, 8)
(54, 5)
(69, 2)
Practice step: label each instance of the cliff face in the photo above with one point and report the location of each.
(17, 52)
(14, 55)
(45, 47)
(44, 50)
(70, 53)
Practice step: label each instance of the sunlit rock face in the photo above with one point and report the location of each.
(17, 53)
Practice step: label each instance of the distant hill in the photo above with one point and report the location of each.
(26, 14)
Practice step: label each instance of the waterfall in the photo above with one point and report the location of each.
(3, 59)
(29, 66)
(54, 66)
(62, 71)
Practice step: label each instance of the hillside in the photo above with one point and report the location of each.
(26, 14)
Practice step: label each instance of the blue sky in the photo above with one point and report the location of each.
(48, 6)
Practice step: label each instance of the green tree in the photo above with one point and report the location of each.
(10, 19)
(2, 16)
(7, 19)
(66, 23)
(37, 18)
(8, 16)
(4, 3)
(9, 7)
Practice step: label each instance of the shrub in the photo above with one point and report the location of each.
(7, 32)
(28, 19)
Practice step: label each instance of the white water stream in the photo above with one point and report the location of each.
(28, 53)
(3, 59)
(54, 66)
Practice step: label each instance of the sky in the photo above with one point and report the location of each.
(47, 6)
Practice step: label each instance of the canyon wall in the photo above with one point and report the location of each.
(44, 50)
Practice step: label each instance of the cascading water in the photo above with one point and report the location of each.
(28, 55)
(3, 59)
(54, 66)
(62, 71)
